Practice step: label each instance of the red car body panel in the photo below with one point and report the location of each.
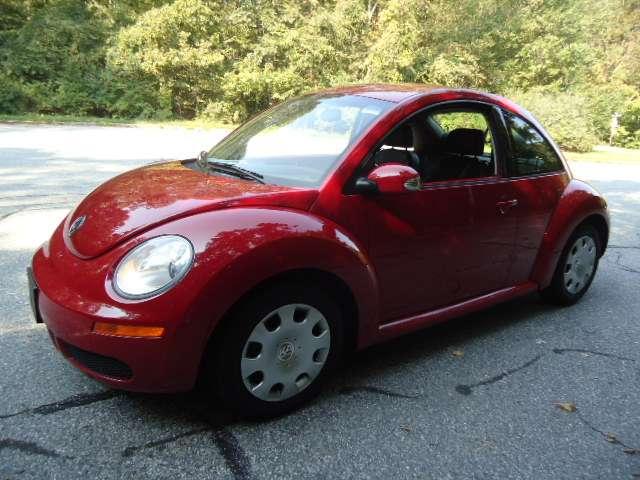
(578, 202)
(251, 245)
(151, 195)
(245, 233)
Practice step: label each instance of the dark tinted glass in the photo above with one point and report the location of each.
(531, 153)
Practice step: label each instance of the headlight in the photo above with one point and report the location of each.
(153, 267)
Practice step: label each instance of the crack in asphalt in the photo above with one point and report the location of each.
(31, 448)
(73, 401)
(376, 390)
(618, 263)
(591, 352)
(227, 443)
(39, 206)
(608, 436)
(7, 215)
(468, 389)
(234, 455)
(625, 247)
(132, 450)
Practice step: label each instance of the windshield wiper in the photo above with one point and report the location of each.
(235, 170)
(229, 168)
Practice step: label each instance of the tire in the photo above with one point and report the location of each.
(291, 335)
(580, 256)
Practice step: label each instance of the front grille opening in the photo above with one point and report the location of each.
(101, 364)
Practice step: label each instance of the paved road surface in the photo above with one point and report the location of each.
(409, 409)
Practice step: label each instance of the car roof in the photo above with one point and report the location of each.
(389, 92)
(398, 93)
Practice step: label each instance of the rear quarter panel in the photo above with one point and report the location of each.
(578, 202)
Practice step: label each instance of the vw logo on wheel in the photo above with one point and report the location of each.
(285, 351)
(77, 224)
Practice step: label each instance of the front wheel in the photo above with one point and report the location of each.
(576, 268)
(276, 350)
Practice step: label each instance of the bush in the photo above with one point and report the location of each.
(630, 118)
(14, 98)
(187, 46)
(627, 139)
(251, 90)
(628, 135)
(604, 101)
(565, 115)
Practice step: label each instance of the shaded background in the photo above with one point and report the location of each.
(574, 63)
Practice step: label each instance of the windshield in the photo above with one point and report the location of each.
(297, 142)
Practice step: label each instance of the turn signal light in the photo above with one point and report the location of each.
(116, 330)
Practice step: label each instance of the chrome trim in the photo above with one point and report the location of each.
(413, 184)
(76, 225)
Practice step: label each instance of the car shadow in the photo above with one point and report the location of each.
(454, 332)
(199, 411)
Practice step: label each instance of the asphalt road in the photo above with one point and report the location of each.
(474, 398)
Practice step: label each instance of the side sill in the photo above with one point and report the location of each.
(396, 328)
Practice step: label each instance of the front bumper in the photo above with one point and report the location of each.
(69, 295)
(135, 364)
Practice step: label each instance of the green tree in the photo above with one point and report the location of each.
(231, 58)
(187, 46)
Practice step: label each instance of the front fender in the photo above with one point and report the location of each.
(578, 202)
(247, 246)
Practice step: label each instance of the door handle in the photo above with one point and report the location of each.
(506, 205)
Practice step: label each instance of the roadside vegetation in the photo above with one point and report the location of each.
(573, 63)
(60, 119)
(606, 154)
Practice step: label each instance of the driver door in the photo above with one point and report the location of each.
(453, 239)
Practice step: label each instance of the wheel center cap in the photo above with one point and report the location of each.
(286, 351)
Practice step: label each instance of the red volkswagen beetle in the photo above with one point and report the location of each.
(328, 223)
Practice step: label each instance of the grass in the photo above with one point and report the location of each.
(38, 118)
(606, 154)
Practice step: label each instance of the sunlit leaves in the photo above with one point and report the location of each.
(230, 59)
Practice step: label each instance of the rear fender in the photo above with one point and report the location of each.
(578, 202)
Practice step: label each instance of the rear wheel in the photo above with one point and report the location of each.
(276, 350)
(576, 268)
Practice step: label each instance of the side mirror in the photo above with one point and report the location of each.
(390, 178)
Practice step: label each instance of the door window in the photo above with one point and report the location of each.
(530, 152)
(454, 143)
(453, 120)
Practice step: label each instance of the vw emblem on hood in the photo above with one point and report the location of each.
(77, 224)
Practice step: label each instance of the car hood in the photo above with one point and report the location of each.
(146, 197)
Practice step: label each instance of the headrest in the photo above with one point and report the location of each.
(389, 155)
(465, 141)
(402, 137)
(424, 139)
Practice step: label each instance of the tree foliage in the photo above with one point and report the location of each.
(574, 63)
